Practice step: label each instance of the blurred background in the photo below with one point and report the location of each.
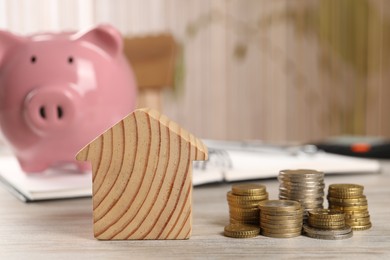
(274, 70)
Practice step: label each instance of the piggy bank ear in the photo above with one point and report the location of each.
(105, 37)
(7, 41)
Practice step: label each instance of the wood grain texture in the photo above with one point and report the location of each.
(142, 181)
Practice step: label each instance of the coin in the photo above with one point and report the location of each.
(244, 221)
(279, 205)
(293, 213)
(244, 205)
(362, 219)
(351, 204)
(356, 214)
(317, 231)
(291, 191)
(327, 227)
(326, 213)
(346, 187)
(349, 208)
(301, 183)
(301, 173)
(281, 230)
(279, 235)
(280, 225)
(279, 217)
(294, 220)
(242, 199)
(360, 228)
(305, 186)
(248, 189)
(241, 231)
(330, 237)
(244, 210)
(347, 201)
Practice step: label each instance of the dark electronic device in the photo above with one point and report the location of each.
(359, 146)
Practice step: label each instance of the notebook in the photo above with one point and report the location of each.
(228, 161)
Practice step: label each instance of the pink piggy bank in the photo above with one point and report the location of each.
(59, 91)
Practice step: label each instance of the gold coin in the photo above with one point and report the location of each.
(345, 194)
(245, 222)
(241, 231)
(328, 227)
(244, 215)
(241, 199)
(280, 218)
(339, 220)
(351, 204)
(359, 228)
(326, 222)
(244, 210)
(354, 200)
(245, 218)
(332, 219)
(367, 218)
(248, 189)
(278, 235)
(281, 227)
(326, 213)
(356, 213)
(244, 205)
(358, 224)
(346, 187)
(351, 208)
(281, 231)
(281, 221)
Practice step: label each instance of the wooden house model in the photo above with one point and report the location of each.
(142, 178)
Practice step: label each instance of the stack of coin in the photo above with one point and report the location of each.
(281, 218)
(244, 201)
(327, 224)
(241, 231)
(349, 198)
(305, 186)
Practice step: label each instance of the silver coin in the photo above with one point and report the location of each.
(301, 182)
(300, 179)
(301, 188)
(302, 195)
(300, 172)
(330, 237)
(326, 232)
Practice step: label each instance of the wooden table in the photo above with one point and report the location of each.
(63, 230)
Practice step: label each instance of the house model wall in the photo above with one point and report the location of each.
(142, 178)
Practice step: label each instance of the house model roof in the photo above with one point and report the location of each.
(142, 181)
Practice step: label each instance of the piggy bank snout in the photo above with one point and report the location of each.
(50, 109)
